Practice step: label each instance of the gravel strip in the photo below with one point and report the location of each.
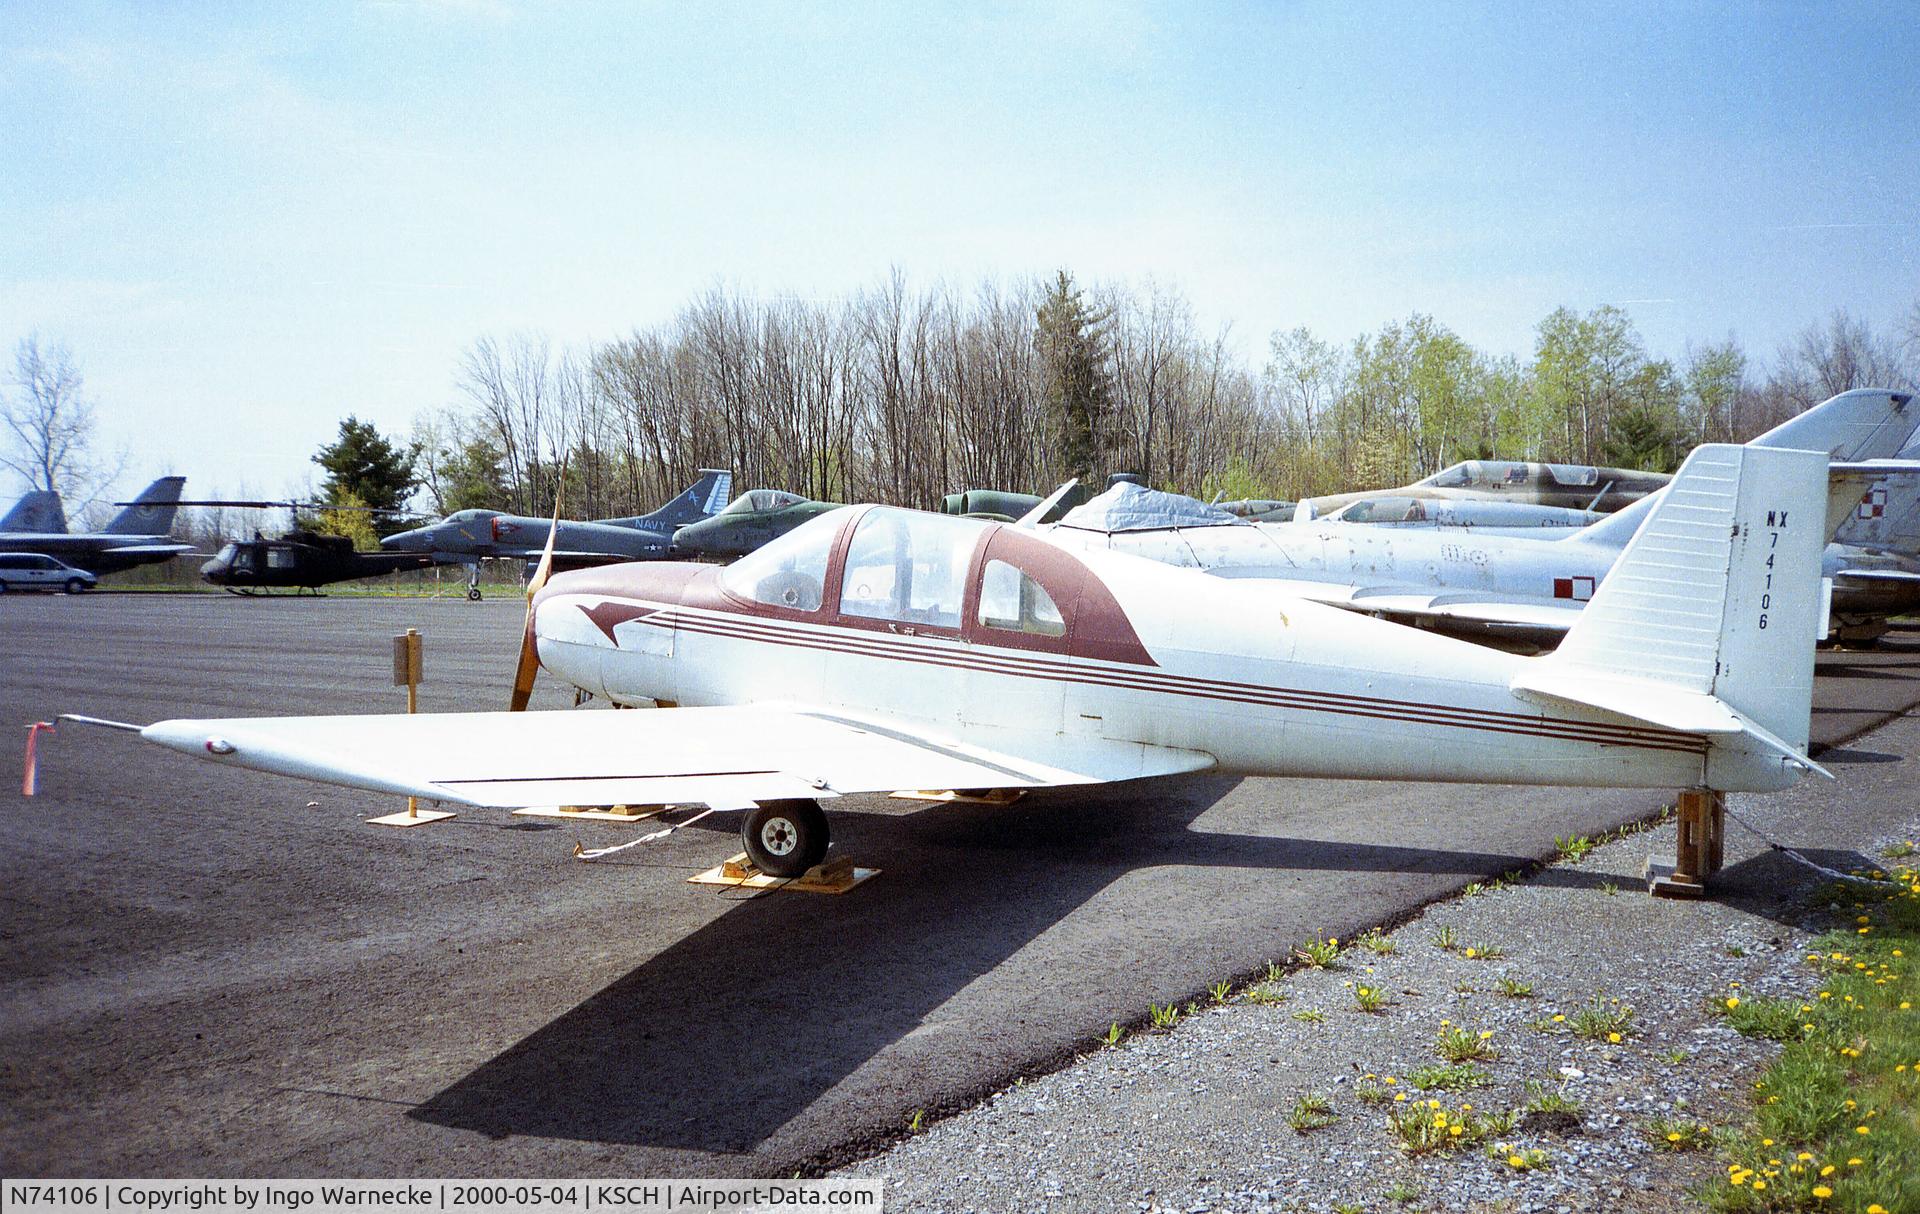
(1196, 1118)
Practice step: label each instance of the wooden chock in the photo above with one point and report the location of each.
(1699, 846)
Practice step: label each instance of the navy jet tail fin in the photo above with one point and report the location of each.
(152, 512)
(39, 511)
(704, 498)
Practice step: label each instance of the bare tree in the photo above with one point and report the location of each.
(49, 421)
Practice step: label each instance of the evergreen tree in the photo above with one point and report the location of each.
(367, 468)
(1071, 340)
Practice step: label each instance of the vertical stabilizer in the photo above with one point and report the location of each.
(1866, 423)
(1708, 619)
(152, 512)
(704, 498)
(39, 511)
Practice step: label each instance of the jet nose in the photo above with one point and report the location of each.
(417, 540)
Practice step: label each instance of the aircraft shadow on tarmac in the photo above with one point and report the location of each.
(727, 1035)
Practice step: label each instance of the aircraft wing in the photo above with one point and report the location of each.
(145, 550)
(1426, 605)
(728, 757)
(1877, 575)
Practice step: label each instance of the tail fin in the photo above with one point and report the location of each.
(39, 511)
(1886, 518)
(1617, 528)
(1707, 622)
(704, 498)
(152, 512)
(1866, 423)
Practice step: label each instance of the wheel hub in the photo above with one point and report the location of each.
(779, 836)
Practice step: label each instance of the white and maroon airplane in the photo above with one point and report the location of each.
(879, 649)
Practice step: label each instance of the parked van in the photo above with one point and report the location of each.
(32, 571)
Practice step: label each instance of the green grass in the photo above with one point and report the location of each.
(1113, 1035)
(1455, 1044)
(1370, 999)
(1376, 942)
(1898, 851)
(1483, 952)
(1426, 1126)
(1369, 1090)
(1854, 1070)
(1543, 1099)
(1220, 991)
(1677, 1134)
(1310, 1015)
(1513, 988)
(1453, 1077)
(1602, 1020)
(1446, 938)
(1311, 1112)
(1263, 995)
(1758, 1016)
(1163, 1017)
(1402, 1192)
(1572, 848)
(1319, 953)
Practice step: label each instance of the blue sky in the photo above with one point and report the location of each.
(250, 220)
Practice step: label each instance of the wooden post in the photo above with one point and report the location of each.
(1699, 847)
(407, 673)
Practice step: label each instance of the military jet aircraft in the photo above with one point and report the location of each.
(136, 536)
(1486, 517)
(468, 537)
(1576, 486)
(1002, 506)
(755, 517)
(881, 649)
(40, 511)
(1520, 589)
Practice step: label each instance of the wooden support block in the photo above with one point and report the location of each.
(414, 818)
(1699, 846)
(835, 876)
(969, 796)
(598, 813)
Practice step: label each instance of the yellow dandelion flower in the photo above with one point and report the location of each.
(1613, 1038)
(1876, 1208)
(1733, 1001)
(1557, 1019)
(1454, 1130)
(1399, 1096)
(1860, 1129)
(1822, 1192)
(1803, 1157)
(1855, 1162)
(1674, 1137)
(1759, 1185)
(1827, 1171)
(1485, 1033)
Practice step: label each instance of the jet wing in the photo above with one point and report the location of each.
(1425, 605)
(144, 550)
(728, 757)
(1877, 575)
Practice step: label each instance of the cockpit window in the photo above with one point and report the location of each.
(908, 566)
(790, 572)
(1014, 602)
(1580, 476)
(759, 501)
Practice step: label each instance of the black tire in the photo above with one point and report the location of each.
(473, 594)
(786, 838)
(75, 585)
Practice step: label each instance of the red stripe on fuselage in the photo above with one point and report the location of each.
(933, 652)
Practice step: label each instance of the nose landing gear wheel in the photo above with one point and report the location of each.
(473, 594)
(785, 838)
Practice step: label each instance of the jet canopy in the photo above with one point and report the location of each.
(761, 501)
(1512, 474)
(1129, 507)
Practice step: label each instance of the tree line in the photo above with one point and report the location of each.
(901, 394)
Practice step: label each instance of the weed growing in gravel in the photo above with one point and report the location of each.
(1572, 848)
(1520, 1159)
(1456, 1044)
(1454, 1077)
(1348, 1207)
(1734, 950)
(1513, 988)
(1446, 938)
(1275, 972)
(1114, 1034)
(1265, 996)
(1163, 1018)
(1676, 1057)
(1609, 888)
(1483, 952)
(1369, 1090)
(1402, 1192)
(1836, 1120)
(1474, 890)
(1760, 1016)
(1547, 1024)
(1369, 998)
(1424, 1126)
(1319, 953)
(916, 1121)
(1220, 991)
(1377, 942)
(1309, 1015)
(1543, 1099)
(1677, 1134)
(1311, 1112)
(1898, 851)
(1603, 1020)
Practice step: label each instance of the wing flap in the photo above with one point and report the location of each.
(726, 756)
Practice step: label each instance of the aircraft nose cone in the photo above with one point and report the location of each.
(405, 541)
(213, 570)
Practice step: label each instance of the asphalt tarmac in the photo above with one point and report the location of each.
(210, 972)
